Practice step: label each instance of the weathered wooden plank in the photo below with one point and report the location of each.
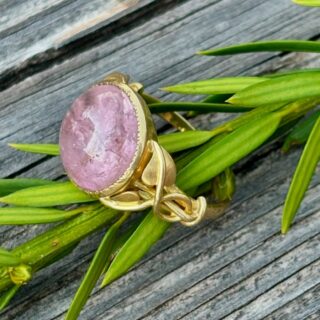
(302, 307)
(157, 53)
(28, 29)
(40, 101)
(260, 282)
(218, 238)
(313, 316)
(213, 278)
(283, 292)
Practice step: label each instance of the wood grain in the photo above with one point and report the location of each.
(238, 266)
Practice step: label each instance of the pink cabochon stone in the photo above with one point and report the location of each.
(99, 137)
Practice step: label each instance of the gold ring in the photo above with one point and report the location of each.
(109, 149)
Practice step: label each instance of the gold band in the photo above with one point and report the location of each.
(155, 188)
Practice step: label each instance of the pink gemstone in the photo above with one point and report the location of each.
(99, 137)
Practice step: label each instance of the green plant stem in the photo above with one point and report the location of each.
(172, 117)
(203, 107)
(94, 271)
(6, 297)
(8, 186)
(38, 251)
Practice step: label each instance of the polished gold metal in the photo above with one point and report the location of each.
(150, 179)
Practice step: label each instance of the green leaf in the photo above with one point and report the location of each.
(119, 242)
(61, 193)
(203, 107)
(300, 131)
(227, 127)
(171, 142)
(302, 177)
(11, 185)
(291, 72)
(215, 86)
(174, 142)
(7, 258)
(223, 185)
(95, 269)
(148, 233)
(297, 109)
(263, 46)
(57, 241)
(27, 215)
(184, 159)
(283, 89)
(6, 296)
(309, 3)
(216, 98)
(49, 149)
(227, 151)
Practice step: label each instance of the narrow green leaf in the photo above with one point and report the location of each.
(172, 117)
(46, 247)
(148, 232)
(11, 185)
(6, 296)
(309, 3)
(302, 177)
(223, 185)
(282, 89)
(61, 254)
(229, 126)
(47, 196)
(95, 269)
(215, 98)
(49, 149)
(263, 46)
(189, 155)
(297, 109)
(174, 142)
(291, 72)
(120, 241)
(28, 215)
(289, 112)
(215, 86)
(227, 151)
(7, 258)
(300, 131)
(203, 107)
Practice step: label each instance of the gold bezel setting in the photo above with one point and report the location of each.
(145, 131)
(149, 180)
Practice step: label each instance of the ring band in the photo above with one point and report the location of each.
(109, 149)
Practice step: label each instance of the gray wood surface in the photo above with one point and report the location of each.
(238, 267)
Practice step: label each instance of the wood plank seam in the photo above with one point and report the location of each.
(52, 56)
(216, 245)
(258, 245)
(280, 281)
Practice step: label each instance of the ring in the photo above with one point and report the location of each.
(109, 149)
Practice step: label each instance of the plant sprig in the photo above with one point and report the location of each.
(309, 3)
(267, 104)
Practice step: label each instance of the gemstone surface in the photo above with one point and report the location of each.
(99, 137)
